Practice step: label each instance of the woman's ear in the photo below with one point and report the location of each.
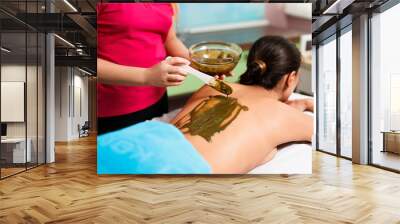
(291, 79)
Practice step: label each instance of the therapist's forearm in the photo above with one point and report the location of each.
(115, 74)
(176, 48)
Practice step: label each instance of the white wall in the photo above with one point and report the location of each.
(12, 73)
(62, 82)
(70, 83)
(79, 117)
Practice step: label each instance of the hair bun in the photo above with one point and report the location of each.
(262, 65)
(254, 73)
(269, 59)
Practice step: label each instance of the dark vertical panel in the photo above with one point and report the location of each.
(369, 37)
(69, 92)
(26, 87)
(59, 82)
(0, 95)
(73, 91)
(45, 91)
(37, 90)
(317, 98)
(338, 73)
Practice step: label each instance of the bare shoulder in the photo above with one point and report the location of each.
(206, 91)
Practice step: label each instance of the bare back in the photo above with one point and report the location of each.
(250, 135)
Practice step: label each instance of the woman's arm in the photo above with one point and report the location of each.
(174, 45)
(165, 73)
(302, 127)
(294, 125)
(302, 104)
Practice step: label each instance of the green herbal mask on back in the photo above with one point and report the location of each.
(210, 116)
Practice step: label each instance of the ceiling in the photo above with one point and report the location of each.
(330, 13)
(39, 6)
(75, 21)
(72, 20)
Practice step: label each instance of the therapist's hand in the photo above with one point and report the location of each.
(167, 73)
(223, 76)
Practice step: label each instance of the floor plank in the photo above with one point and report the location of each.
(70, 191)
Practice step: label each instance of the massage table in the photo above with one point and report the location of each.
(291, 159)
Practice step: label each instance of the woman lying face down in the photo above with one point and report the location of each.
(256, 118)
(229, 134)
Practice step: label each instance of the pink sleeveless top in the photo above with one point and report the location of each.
(131, 34)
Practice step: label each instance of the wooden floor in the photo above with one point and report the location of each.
(387, 159)
(70, 191)
(10, 171)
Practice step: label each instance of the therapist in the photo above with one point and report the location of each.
(134, 40)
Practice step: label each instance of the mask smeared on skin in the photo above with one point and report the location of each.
(222, 87)
(210, 116)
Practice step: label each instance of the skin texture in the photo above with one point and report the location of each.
(252, 137)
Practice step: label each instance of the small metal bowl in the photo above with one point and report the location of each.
(215, 58)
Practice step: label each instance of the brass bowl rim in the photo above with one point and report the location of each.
(229, 44)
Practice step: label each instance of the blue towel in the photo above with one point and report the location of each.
(150, 147)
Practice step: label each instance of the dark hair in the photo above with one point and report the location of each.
(269, 59)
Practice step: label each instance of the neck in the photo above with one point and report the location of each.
(275, 94)
(271, 93)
